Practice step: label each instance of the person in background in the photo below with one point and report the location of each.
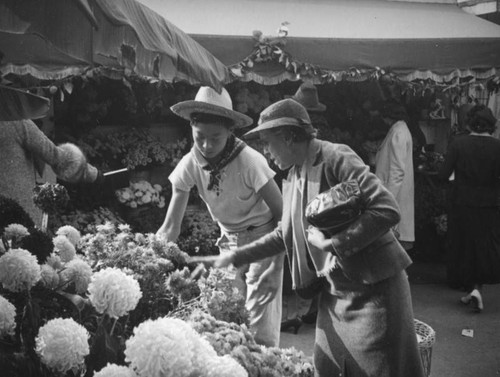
(237, 185)
(474, 216)
(365, 325)
(24, 151)
(394, 167)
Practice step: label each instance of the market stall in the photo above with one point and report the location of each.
(51, 40)
(332, 40)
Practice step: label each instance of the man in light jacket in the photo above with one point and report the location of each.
(394, 167)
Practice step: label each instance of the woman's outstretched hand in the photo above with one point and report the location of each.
(218, 261)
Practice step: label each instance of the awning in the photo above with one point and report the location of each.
(53, 39)
(410, 40)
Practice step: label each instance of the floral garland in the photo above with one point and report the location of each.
(267, 49)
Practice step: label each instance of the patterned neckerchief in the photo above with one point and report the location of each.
(233, 147)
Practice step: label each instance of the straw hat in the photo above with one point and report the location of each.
(286, 112)
(307, 96)
(208, 101)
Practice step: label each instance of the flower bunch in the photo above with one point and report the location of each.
(113, 370)
(149, 259)
(236, 341)
(15, 231)
(133, 148)
(170, 347)
(221, 298)
(50, 197)
(199, 233)
(62, 344)
(7, 317)
(113, 292)
(141, 193)
(19, 270)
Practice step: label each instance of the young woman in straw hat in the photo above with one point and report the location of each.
(365, 325)
(236, 183)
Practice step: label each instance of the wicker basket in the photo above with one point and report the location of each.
(426, 338)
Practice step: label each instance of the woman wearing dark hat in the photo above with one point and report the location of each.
(394, 167)
(237, 185)
(474, 218)
(365, 324)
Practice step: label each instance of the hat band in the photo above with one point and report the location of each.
(288, 121)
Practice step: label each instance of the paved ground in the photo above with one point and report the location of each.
(453, 355)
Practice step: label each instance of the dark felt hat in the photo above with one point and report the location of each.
(286, 112)
(307, 96)
(18, 104)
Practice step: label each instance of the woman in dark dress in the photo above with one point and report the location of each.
(474, 218)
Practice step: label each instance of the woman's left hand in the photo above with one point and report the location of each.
(318, 239)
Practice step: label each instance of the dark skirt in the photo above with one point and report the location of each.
(473, 255)
(367, 330)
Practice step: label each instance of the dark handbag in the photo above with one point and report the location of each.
(333, 210)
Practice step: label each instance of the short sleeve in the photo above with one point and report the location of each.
(182, 177)
(258, 173)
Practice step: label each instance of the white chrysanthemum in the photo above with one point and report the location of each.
(160, 348)
(113, 292)
(7, 317)
(64, 248)
(54, 261)
(19, 270)
(107, 228)
(71, 233)
(15, 231)
(113, 370)
(62, 344)
(79, 272)
(50, 277)
(224, 366)
(124, 227)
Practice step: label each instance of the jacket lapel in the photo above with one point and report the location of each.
(314, 170)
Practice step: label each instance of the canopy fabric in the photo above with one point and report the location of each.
(411, 40)
(18, 104)
(52, 39)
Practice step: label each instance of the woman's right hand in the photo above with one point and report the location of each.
(218, 261)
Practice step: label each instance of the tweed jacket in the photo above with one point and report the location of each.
(367, 250)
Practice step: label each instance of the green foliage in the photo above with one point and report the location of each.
(86, 221)
(199, 233)
(132, 148)
(11, 212)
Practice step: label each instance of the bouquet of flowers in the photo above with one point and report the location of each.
(141, 193)
(50, 197)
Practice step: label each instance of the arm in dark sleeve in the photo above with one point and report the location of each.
(380, 213)
(267, 246)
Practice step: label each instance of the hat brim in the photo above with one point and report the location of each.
(319, 108)
(18, 104)
(186, 108)
(275, 123)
